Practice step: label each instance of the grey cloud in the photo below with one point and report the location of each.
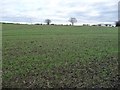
(107, 13)
(65, 9)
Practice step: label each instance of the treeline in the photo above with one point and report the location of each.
(105, 25)
(72, 21)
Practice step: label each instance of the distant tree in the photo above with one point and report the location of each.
(99, 25)
(86, 25)
(110, 25)
(118, 23)
(37, 24)
(52, 24)
(73, 20)
(94, 25)
(48, 21)
(106, 25)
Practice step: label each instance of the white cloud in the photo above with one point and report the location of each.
(59, 10)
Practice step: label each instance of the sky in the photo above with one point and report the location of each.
(59, 11)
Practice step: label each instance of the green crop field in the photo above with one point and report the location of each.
(59, 56)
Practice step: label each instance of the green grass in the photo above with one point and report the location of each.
(59, 56)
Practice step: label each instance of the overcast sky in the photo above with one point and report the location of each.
(59, 11)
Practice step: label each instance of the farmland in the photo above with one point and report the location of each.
(59, 56)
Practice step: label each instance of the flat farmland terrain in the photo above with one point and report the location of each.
(59, 56)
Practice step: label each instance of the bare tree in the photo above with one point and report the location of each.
(73, 20)
(48, 21)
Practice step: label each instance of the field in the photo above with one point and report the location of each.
(59, 56)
